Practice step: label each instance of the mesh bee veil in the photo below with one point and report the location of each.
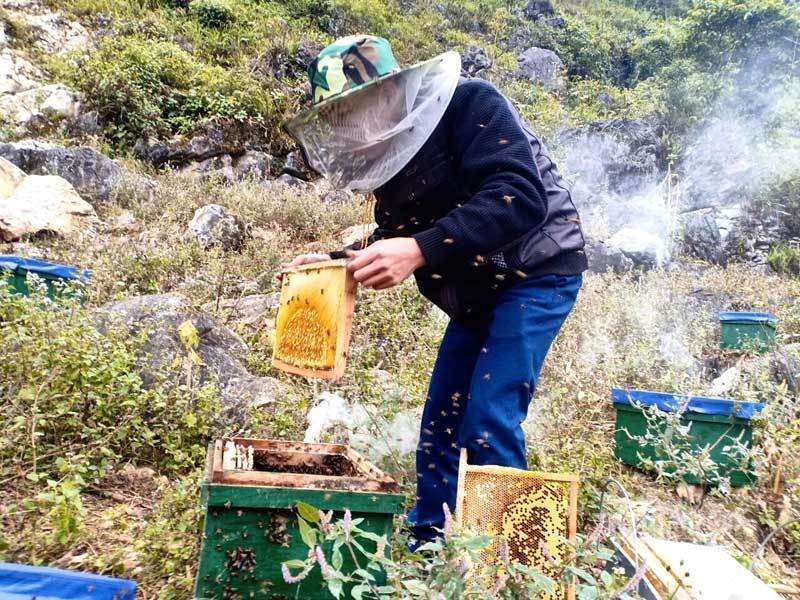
(363, 139)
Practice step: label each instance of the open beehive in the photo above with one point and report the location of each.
(533, 511)
(250, 493)
(312, 330)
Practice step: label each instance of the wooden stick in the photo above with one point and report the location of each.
(776, 486)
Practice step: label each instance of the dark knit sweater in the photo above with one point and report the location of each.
(472, 190)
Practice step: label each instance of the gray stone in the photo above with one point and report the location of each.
(88, 123)
(619, 156)
(44, 204)
(556, 22)
(220, 350)
(306, 53)
(250, 311)
(542, 66)
(701, 236)
(213, 225)
(252, 164)
(212, 139)
(290, 181)
(475, 61)
(784, 366)
(536, 9)
(93, 174)
(295, 165)
(603, 257)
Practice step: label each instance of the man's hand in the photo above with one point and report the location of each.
(386, 263)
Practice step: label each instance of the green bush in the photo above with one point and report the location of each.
(155, 88)
(213, 14)
(784, 259)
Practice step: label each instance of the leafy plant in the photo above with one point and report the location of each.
(213, 14)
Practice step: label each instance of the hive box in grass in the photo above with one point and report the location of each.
(747, 331)
(534, 512)
(716, 424)
(251, 526)
(56, 277)
(22, 582)
(312, 330)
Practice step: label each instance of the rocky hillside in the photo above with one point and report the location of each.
(142, 140)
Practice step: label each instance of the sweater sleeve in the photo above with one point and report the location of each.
(494, 161)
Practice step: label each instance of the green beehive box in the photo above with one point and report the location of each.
(747, 331)
(251, 526)
(715, 423)
(17, 269)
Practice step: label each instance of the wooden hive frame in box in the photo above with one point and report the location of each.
(529, 509)
(312, 329)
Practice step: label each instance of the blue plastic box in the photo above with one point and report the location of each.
(747, 330)
(16, 270)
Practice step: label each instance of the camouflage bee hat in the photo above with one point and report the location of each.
(358, 133)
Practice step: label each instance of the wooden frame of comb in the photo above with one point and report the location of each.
(315, 317)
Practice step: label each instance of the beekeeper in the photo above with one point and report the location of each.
(470, 203)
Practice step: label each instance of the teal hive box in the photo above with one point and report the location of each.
(715, 423)
(747, 330)
(251, 525)
(16, 270)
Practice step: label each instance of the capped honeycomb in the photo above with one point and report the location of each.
(533, 511)
(312, 329)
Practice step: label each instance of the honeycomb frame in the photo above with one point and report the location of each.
(492, 500)
(315, 318)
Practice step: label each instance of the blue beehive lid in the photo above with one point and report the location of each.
(23, 582)
(41, 267)
(696, 404)
(748, 317)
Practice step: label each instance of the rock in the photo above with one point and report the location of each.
(10, 178)
(475, 61)
(88, 123)
(44, 203)
(296, 166)
(93, 174)
(290, 181)
(250, 311)
(603, 257)
(252, 165)
(620, 156)
(354, 234)
(212, 139)
(605, 99)
(784, 366)
(40, 105)
(56, 34)
(124, 221)
(643, 248)
(213, 225)
(556, 22)
(536, 9)
(701, 236)
(306, 53)
(542, 66)
(221, 351)
(724, 383)
(17, 74)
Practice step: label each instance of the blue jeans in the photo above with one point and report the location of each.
(480, 389)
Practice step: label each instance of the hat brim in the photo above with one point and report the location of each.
(312, 111)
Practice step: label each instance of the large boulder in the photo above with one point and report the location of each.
(17, 74)
(93, 174)
(220, 350)
(542, 66)
(51, 32)
(248, 312)
(10, 177)
(44, 204)
(214, 225)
